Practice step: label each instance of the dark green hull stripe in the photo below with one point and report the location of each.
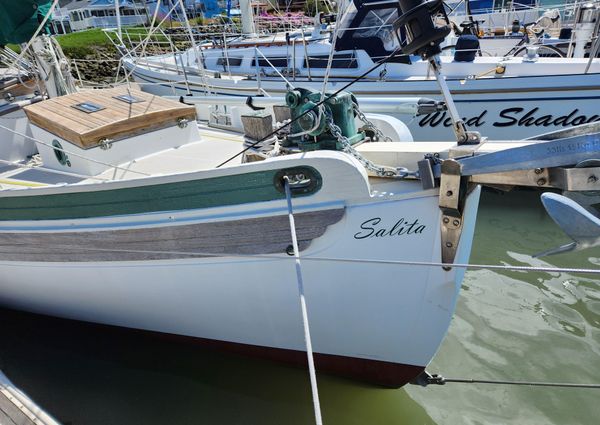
(194, 194)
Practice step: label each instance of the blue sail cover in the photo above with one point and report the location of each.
(109, 3)
(20, 19)
(487, 6)
(481, 6)
(208, 8)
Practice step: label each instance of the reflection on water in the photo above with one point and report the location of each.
(508, 325)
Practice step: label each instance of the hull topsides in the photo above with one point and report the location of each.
(509, 108)
(150, 270)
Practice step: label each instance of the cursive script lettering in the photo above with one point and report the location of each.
(510, 117)
(373, 228)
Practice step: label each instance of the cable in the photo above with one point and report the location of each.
(526, 383)
(279, 257)
(364, 74)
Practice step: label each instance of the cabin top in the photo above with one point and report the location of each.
(87, 117)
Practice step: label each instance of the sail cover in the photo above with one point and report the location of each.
(368, 25)
(20, 19)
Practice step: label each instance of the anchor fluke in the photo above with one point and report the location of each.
(578, 223)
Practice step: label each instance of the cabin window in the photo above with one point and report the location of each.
(277, 62)
(127, 98)
(341, 60)
(88, 107)
(61, 156)
(232, 61)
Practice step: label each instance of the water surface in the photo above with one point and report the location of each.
(508, 325)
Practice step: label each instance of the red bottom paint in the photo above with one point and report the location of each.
(376, 372)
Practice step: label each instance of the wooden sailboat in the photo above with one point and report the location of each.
(132, 219)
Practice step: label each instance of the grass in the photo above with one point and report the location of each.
(79, 44)
(82, 43)
(14, 47)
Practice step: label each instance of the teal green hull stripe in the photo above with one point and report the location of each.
(187, 195)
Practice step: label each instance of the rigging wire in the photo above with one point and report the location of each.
(117, 167)
(274, 132)
(280, 257)
(524, 383)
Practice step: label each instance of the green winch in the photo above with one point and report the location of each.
(326, 126)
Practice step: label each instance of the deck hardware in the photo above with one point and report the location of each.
(302, 180)
(61, 155)
(105, 144)
(451, 200)
(88, 107)
(426, 378)
(128, 98)
(182, 122)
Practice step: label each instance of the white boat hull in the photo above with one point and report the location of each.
(370, 320)
(517, 105)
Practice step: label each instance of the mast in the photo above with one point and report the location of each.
(248, 27)
(118, 15)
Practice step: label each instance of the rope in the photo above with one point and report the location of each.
(49, 170)
(309, 352)
(73, 153)
(364, 74)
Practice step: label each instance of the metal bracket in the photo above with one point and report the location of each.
(425, 378)
(570, 179)
(251, 105)
(451, 205)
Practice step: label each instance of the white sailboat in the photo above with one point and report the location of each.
(132, 219)
(503, 97)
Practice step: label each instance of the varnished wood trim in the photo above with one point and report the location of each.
(266, 235)
(117, 120)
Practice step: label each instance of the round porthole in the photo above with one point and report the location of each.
(60, 154)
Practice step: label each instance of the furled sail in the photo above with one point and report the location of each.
(20, 19)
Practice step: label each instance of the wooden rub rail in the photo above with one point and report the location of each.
(18, 409)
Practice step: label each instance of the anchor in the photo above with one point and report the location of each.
(578, 223)
(548, 161)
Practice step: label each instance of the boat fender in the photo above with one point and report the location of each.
(466, 48)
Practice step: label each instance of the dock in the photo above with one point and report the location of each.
(16, 408)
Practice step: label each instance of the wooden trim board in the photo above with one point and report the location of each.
(117, 119)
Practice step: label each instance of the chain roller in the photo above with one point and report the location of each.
(369, 125)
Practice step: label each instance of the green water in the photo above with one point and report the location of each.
(508, 325)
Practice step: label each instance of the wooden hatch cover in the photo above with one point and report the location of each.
(87, 117)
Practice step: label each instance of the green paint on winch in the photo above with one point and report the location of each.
(236, 189)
